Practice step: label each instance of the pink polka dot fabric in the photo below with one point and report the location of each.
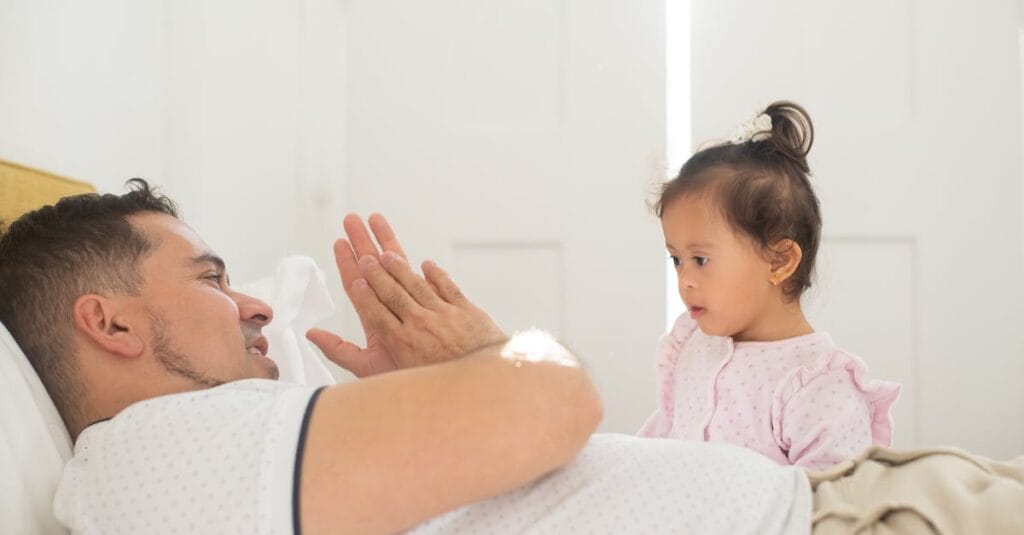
(800, 401)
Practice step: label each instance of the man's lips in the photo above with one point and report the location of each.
(259, 344)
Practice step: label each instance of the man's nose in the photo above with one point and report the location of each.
(253, 310)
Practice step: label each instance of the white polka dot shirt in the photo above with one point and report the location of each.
(221, 460)
(624, 484)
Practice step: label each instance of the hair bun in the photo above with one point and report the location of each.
(792, 131)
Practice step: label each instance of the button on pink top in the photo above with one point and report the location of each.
(800, 401)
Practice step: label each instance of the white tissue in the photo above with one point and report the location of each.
(300, 299)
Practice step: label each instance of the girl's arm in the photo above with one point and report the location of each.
(834, 415)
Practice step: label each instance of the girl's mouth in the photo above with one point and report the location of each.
(696, 312)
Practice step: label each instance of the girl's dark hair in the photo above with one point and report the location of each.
(761, 186)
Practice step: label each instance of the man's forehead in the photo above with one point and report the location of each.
(171, 235)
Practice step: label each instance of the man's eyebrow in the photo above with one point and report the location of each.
(210, 258)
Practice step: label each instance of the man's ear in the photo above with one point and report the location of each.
(785, 258)
(108, 324)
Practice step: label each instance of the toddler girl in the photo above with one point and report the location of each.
(743, 365)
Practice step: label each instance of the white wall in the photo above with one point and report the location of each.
(80, 88)
(516, 144)
(233, 107)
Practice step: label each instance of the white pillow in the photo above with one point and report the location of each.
(34, 446)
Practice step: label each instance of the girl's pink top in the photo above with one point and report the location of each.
(801, 401)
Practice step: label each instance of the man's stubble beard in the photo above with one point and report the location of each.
(173, 360)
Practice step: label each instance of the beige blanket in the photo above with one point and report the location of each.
(944, 490)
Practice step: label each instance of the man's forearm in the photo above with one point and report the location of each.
(390, 451)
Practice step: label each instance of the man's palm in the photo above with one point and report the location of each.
(374, 358)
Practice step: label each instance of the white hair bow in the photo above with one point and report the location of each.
(756, 129)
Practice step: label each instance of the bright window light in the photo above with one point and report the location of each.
(677, 106)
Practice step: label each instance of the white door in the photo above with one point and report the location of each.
(917, 163)
(516, 143)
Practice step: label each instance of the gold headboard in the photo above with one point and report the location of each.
(23, 189)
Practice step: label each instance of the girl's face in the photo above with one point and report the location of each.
(723, 277)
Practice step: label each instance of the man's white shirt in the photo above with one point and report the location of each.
(228, 460)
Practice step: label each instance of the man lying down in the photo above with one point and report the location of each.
(159, 371)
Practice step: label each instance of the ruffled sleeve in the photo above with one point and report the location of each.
(671, 344)
(830, 411)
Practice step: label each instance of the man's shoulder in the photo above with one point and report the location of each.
(250, 398)
(235, 391)
(230, 448)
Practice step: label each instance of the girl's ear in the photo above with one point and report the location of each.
(108, 323)
(785, 258)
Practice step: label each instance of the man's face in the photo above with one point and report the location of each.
(199, 329)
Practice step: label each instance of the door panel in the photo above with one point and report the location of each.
(515, 143)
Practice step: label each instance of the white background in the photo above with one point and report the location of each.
(516, 143)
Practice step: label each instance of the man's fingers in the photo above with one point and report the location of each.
(348, 266)
(387, 290)
(375, 314)
(443, 283)
(359, 237)
(339, 351)
(385, 235)
(413, 284)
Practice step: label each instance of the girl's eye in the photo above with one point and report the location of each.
(700, 260)
(675, 260)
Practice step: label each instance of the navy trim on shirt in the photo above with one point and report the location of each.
(299, 453)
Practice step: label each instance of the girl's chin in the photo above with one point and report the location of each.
(711, 329)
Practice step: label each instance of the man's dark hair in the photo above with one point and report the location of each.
(51, 256)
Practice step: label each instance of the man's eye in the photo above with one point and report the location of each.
(700, 260)
(214, 278)
(675, 260)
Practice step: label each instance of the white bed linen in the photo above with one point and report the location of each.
(34, 445)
